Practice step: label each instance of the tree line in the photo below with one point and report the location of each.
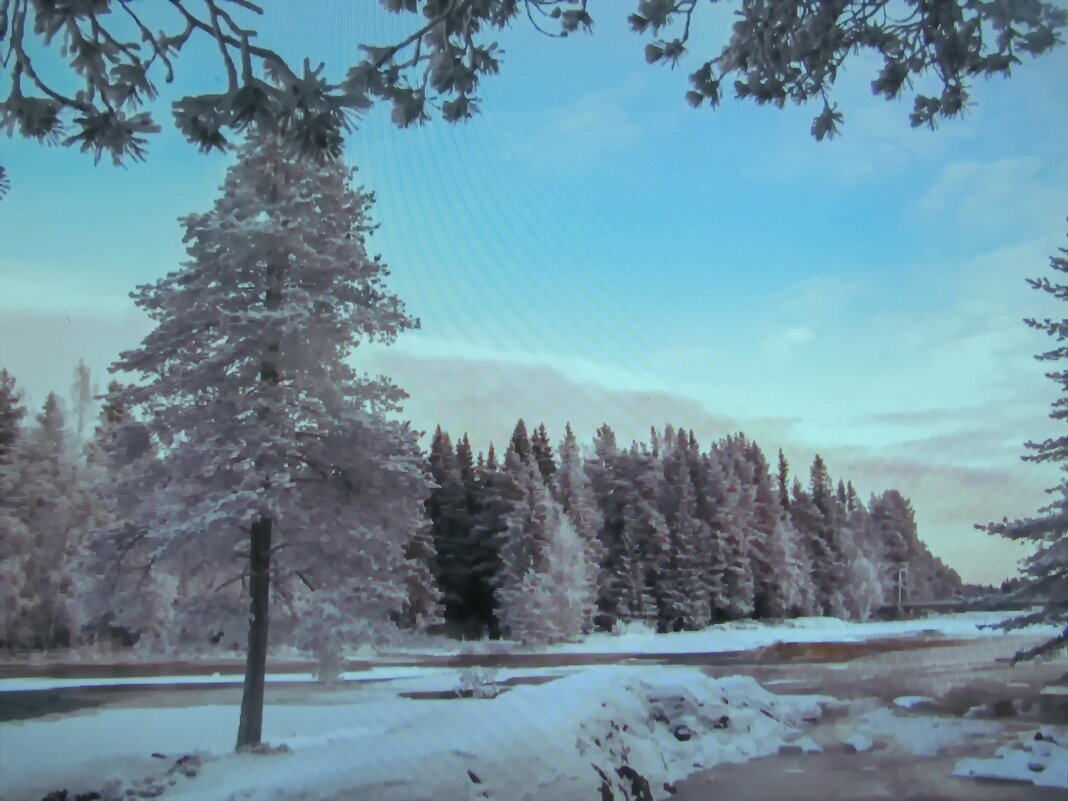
(547, 543)
(541, 544)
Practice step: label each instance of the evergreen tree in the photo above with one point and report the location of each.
(542, 451)
(711, 502)
(553, 604)
(828, 563)
(276, 451)
(51, 433)
(783, 478)
(1046, 569)
(43, 518)
(16, 539)
(464, 463)
(11, 412)
(808, 521)
(852, 500)
(605, 470)
(737, 541)
(777, 573)
(447, 511)
(862, 588)
(489, 509)
(529, 525)
(520, 442)
(693, 584)
(83, 396)
(892, 526)
(646, 526)
(579, 504)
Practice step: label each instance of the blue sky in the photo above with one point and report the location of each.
(591, 249)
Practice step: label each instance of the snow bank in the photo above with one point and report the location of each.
(747, 635)
(1040, 759)
(561, 740)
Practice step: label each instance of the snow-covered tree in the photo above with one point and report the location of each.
(284, 483)
(737, 542)
(782, 581)
(893, 527)
(545, 584)
(694, 582)
(11, 412)
(711, 495)
(526, 530)
(82, 398)
(520, 442)
(15, 536)
(553, 603)
(542, 451)
(783, 478)
(447, 509)
(579, 504)
(44, 515)
(464, 509)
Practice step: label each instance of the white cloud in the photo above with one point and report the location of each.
(1021, 196)
(583, 132)
(41, 348)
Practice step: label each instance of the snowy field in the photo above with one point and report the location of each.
(582, 728)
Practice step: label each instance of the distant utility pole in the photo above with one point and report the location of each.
(902, 579)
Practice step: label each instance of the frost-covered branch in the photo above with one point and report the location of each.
(789, 50)
(1046, 570)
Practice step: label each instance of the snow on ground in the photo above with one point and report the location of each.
(909, 701)
(555, 740)
(1041, 759)
(737, 636)
(743, 636)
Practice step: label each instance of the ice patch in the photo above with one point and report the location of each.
(909, 701)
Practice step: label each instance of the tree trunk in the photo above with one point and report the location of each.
(250, 728)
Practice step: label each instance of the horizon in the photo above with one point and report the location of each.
(589, 249)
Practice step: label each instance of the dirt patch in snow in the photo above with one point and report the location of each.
(976, 702)
(841, 776)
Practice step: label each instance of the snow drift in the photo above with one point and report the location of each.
(613, 728)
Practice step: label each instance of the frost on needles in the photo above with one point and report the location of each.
(247, 392)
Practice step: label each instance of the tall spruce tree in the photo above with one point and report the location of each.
(16, 538)
(542, 452)
(282, 471)
(579, 504)
(1046, 569)
(520, 442)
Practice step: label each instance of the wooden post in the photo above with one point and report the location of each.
(250, 727)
